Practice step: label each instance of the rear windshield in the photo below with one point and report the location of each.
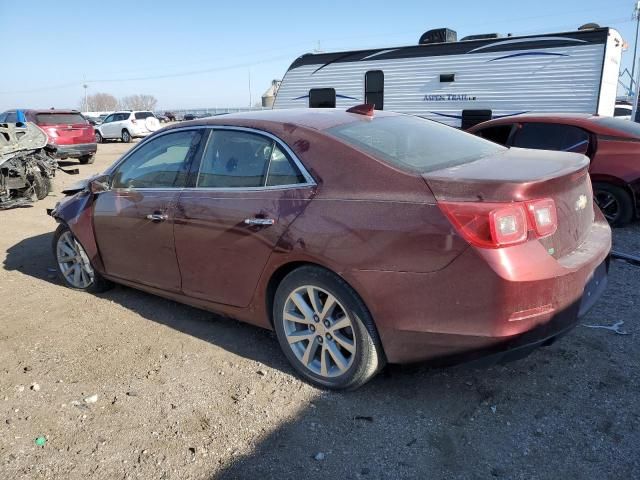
(59, 118)
(626, 126)
(143, 115)
(414, 143)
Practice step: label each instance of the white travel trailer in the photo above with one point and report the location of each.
(464, 82)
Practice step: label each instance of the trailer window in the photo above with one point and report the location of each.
(414, 143)
(374, 88)
(322, 98)
(549, 136)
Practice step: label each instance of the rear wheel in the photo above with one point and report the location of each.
(126, 136)
(87, 159)
(616, 204)
(74, 266)
(325, 330)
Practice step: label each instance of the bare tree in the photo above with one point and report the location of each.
(99, 102)
(139, 102)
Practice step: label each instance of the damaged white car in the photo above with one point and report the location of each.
(27, 164)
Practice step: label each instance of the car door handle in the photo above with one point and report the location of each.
(259, 221)
(157, 217)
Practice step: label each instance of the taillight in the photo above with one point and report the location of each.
(495, 225)
(543, 216)
(52, 133)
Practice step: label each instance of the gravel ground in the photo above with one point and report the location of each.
(128, 385)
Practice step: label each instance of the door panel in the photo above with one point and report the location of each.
(220, 256)
(133, 247)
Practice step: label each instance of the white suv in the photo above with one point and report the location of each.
(127, 125)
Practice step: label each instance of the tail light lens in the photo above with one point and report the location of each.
(495, 225)
(543, 216)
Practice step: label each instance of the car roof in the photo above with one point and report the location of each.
(591, 123)
(315, 118)
(49, 110)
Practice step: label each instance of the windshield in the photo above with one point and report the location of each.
(414, 143)
(59, 118)
(624, 125)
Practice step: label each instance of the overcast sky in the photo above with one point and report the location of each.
(191, 54)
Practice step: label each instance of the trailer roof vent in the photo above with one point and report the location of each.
(481, 36)
(438, 35)
(588, 26)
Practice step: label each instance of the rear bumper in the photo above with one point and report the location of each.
(487, 302)
(140, 133)
(76, 151)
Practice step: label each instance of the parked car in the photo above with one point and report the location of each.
(189, 116)
(67, 130)
(171, 116)
(359, 239)
(612, 145)
(161, 118)
(127, 125)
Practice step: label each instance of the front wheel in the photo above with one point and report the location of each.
(74, 267)
(126, 136)
(616, 204)
(99, 138)
(325, 330)
(41, 185)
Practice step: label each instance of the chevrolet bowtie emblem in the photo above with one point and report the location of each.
(581, 203)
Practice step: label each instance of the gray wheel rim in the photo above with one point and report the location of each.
(73, 262)
(319, 331)
(125, 136)
(98, 138)
(608, 203)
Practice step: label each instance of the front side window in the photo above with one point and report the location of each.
(549, 136)
(236, 159)
(414, 143)
(322, 98)
(160, 163)
(108, 119)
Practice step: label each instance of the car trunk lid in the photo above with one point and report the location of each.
(519, 175)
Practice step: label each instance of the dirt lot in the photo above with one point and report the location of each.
(183, 394)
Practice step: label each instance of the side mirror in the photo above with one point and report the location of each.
(99, 184)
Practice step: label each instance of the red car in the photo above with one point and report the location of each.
(612, 145)
(359, 239)
(71, 133)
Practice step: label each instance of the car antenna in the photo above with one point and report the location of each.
(364, 109)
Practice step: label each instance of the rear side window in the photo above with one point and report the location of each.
(322, 98)
(549, 136)
(59, 118)
(143, 115)
(414, 143)
(498, 134)
(282, 171)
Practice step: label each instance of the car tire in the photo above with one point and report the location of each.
(125, 136)
(87, 159)
(338, 348)
(614, 202)
(41, 185)
(88, 279)
(99, 138)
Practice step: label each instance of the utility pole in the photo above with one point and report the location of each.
(636, 17)
(250, 96)
(86, 107)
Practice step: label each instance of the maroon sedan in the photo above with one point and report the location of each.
(359, 239)
(612, 145)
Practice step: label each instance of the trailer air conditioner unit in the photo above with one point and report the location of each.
(438, 35)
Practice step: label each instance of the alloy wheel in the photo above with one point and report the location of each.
(73, 262)
(319, 331)
(608, 203)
